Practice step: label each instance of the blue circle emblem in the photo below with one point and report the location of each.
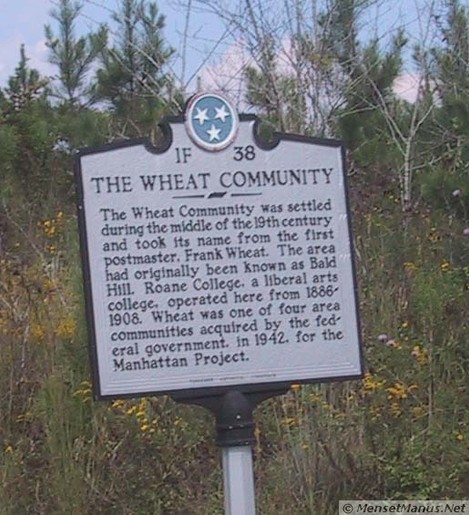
(211, 121)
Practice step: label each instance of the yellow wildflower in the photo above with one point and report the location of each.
(38, 332)
(397, 391)
(444, 266)
(419, 354)
(291, 421)
(371, 384)
(66, 328)
(396, 410)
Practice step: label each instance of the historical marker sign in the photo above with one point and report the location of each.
(218, 261)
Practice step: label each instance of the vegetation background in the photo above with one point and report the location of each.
(400, 433)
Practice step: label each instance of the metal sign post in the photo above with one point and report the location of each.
(235, 435)
(235, 428)
(218, 269)
(238, 480)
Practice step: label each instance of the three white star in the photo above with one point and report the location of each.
(220, 114)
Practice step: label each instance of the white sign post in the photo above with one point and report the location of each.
(238, 480)
(217, 262)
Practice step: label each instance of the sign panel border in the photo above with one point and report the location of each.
(165, 144)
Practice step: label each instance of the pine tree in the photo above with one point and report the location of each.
(379, 130)
(451, 76)
(25, 137)
(73, 56)
(451, 62)
(24, 86)
(447, 136)
(368, 95)
(270, 91)
(132, 79)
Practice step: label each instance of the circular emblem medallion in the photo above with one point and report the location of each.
(211, 121)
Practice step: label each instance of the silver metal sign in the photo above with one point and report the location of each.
(217, 260)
